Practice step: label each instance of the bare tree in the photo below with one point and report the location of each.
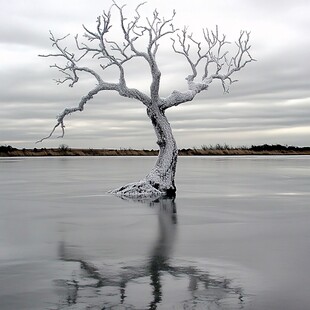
(209, 54)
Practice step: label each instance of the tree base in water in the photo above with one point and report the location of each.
(143, 189)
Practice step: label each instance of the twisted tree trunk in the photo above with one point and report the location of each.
(160, 180)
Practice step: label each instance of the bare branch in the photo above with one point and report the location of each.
(130, 31)
(235, 63)
(223, 66)
(68, 111)
(90, 35)
(48, 136)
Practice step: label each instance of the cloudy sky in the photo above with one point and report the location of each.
(269, 104)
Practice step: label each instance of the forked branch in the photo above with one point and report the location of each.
(215, 59)
(68, 111)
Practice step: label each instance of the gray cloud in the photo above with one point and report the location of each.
(269, 104)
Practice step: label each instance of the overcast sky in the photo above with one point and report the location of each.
(269, 104)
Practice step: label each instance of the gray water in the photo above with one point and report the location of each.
(236, 237)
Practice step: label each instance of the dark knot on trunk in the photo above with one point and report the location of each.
(161, 143)
(171, 192)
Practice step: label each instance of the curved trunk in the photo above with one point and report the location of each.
(160, 180)
(163, 173)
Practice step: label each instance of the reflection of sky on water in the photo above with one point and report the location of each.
(244, 219)
(156, 281)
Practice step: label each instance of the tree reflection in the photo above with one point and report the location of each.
(105, 289)
(160, 255)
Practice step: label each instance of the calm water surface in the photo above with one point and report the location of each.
(236, 237)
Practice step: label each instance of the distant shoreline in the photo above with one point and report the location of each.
(218, 150)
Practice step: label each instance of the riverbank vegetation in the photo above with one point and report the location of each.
(204, 150)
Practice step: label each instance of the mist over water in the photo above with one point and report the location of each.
(237, 236)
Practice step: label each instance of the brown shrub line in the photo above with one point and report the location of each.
(13, 152)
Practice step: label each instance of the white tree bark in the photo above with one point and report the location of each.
(217, 66)
(160, 180)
